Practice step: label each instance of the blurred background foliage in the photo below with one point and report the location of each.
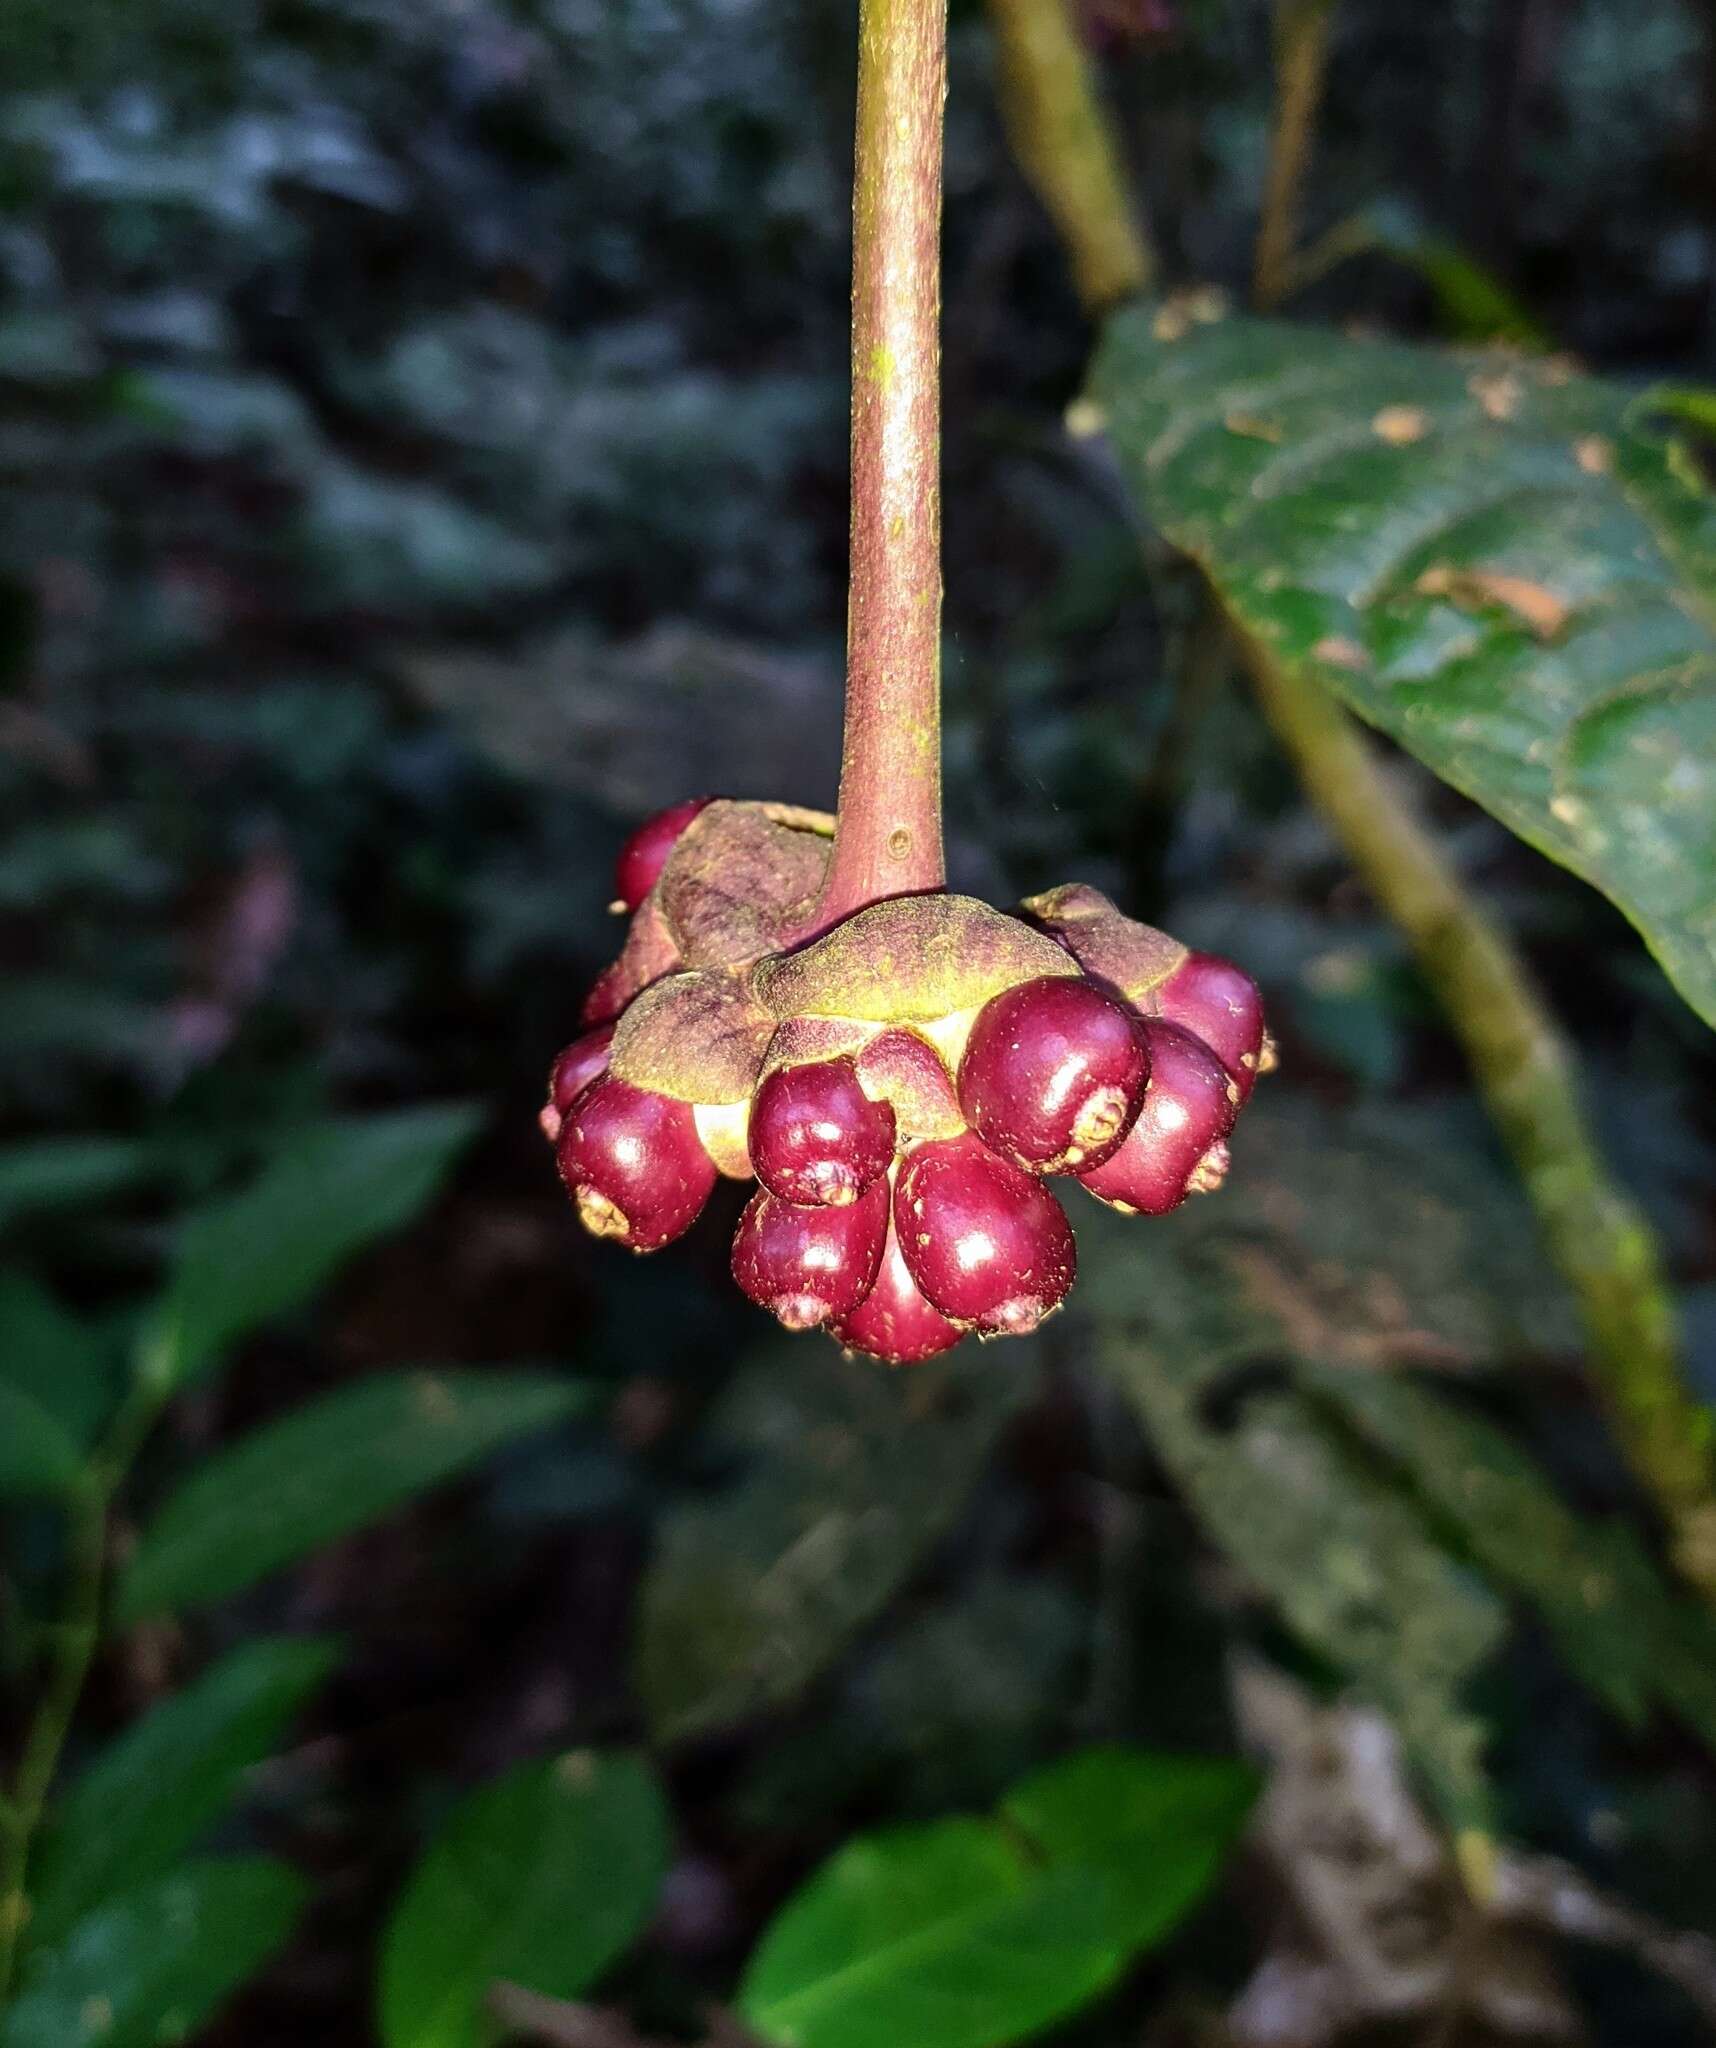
(422, 432)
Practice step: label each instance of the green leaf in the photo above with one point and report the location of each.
(1471, 301)
(850, 1478)
(37, 1457)
(56, 1360)
(1694, 403)
(152, 1967)
(1492, 559)
(945, 1936)
(542, 1879)
(268, 1249)
(944, 1712)
(325, 1471)
(1157, 1827)
(1625, 1635)
(58, 1173)
(144, 1800)
(967, 1934)
(1411, 1247)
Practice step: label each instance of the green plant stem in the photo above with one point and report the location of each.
(1525, 1066)
(1047, 89)
(72, 1649)
(74, 1641)
(888, 837)
(1301, 58)
(1522, 1063)
(1525, 1070)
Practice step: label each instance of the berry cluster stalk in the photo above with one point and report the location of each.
(888, 838)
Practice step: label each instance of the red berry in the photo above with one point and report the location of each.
(1222, 1005)
(988, 1245)
(815, 1136)
(1175, 1148)
(571, 1074)
(894, 1322)
(632, 1163)
(645, 853)
(808, 1265)
(1053, 1074)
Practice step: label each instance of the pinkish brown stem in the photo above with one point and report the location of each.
(888, 838)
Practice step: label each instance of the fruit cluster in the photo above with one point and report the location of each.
(899, 1084)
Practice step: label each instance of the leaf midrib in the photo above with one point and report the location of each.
(913, 1946)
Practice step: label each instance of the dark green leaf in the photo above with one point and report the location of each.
(967, 1934)
(542, 1879)
(1694, 403)
(1156, 1826)
(1363, 1233)
(58, 1173)
(267, 1250)
(1472, 302)
(37, 1457)
(144, 1801)
(1617, 1624)
(850, 1478)
(1410, 1247)
(1491, 559)
(368, 541)
(54, 1359)
(324, 1472)
(944, 1712)
(152, 1967)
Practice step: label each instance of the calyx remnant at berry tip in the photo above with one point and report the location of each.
(902, 1082)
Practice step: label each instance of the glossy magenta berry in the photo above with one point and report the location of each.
(1176, 1147)
(1053, 1074)
(815, 1136)
(988, 1245)
(645, 853)
(633, 1165)
(894, 1322)
(810, 1265)
(1222, 1005)
(571, 1074)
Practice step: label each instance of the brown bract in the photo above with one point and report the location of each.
(696, 1037)
(1111, 947)
(803, 1041)
(904, 1070)
(742, 880)
(910, 959)
(895, 1065)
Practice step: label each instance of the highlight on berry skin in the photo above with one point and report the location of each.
(989, 1246)
(1188, 1110)
(808, 1264)
(815, 1136)
(904, 1084)
(633, 1164)
(1053, 1074)
(573, 1071)
(896, 1322)
(1221, 1004)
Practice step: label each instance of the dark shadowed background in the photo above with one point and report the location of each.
(422, 453)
